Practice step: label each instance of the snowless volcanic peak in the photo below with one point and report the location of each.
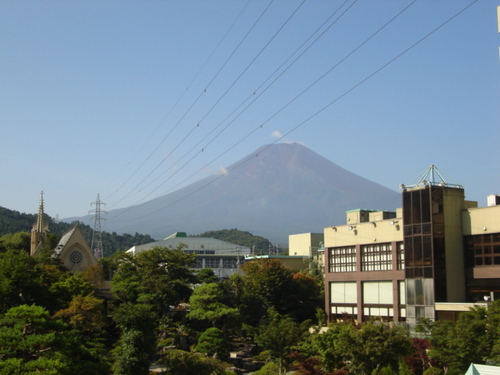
(276, 191)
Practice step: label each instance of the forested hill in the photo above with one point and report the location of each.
(13, 222)
(260, 245)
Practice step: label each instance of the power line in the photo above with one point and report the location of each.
(296, 97)
(192, 105)
(172, 108)
(241, 112)
(361, 82)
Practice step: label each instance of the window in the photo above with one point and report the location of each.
(76, 257)
(420, 210)
(483, 250)
(339, 311)
(343, 292)
(343, 299)
(402, 292)
(376, 257)
(343, 259)
(377, 292)
(229, 263)
(420, 292)
(400, 248)
(212, 263)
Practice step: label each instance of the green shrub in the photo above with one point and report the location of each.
(433, 371)
(211, 342)
(270, 368)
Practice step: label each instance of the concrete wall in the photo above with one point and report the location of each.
(453, 201)
(364, 233)
(304, 244)
(481, 220)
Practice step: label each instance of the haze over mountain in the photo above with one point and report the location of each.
(278, 190)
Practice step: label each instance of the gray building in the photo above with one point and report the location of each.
(221, 256)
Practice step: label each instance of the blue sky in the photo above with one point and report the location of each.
(134, 99)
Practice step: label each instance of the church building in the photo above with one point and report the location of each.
(73, 250)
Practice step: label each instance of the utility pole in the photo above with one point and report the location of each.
(96, 245)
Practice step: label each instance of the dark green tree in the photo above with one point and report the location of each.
(31, 343)
(179, 362)
(375, 346)
(160, 277)
(269, 284)
(206, 275)
(131, 356)
(146, 286)
(471, 339)
(364, 349)
(279, 335)
(213, 341)
(28, 340)
(66, 288)
(326, 347)
(15, 241)
(18, 279)
(207, 303)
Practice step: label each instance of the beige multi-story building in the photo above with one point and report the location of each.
(306, 244)
(431, 259)
(310, 246)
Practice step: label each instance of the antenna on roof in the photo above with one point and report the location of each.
(431, 176)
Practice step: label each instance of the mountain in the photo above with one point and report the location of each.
(278, 190)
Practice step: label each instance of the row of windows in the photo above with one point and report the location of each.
(383, 313)
(483, 250)
(375, 257)
(202, 252)
(377, 299)
(374, 292)
(417, 229)
(343, 259)
(216, 263)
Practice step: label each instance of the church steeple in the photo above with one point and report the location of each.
(39, 219)
(40, 229)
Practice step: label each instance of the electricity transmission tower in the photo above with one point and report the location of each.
(96, 245)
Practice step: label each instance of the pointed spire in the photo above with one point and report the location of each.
(39, 220)
(40, 229)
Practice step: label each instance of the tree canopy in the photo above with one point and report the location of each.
(270, 284)
(56, 322)
(13, 222)
(207, 303)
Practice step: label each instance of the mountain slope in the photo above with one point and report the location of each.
(276, 191)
